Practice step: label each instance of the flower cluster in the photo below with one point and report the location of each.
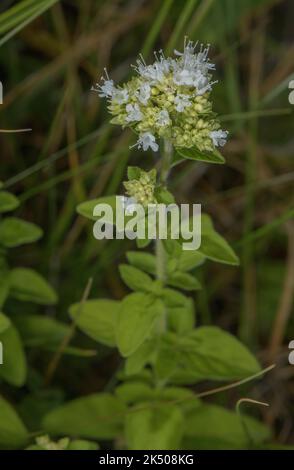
(45, 443)
(141, 190)
(169, 98)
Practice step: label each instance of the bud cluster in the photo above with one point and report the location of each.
(141, 190)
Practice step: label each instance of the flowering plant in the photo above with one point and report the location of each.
(153, 327)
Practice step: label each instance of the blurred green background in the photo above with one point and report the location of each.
(51, 54)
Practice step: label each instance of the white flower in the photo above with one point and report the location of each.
(129, 204)
(184, 77)
(120, 95)
(163, 118)
(145, 141)
(197, 61)
(156, 71)
(105, 90)
(219, 137)
(134, 113)
(182, 102)
(192, 69)
(202, 84)
(144, 93)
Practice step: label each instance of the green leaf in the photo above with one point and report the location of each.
(13, 434)
(37, 403)
(135, 279)
(4, 281)
(184, 281)
(39, 330)
(182, 319)
(197, 155)
(4, 322)
(14, 368)
(143, 242)
(134, 392)
(29, 286)
(142, 356)
(163, 196)
(8, 202)
(86, 208)
(15, 232)
(173, 248)
(180, 311)
(98, 319)
(136, 318)
(205, 353)
(213, 245)
(189, 260)
(213, 427)
(134, 172)
(144, 261)
(173, 298)
(154, 428)
(4, 287)
(97, 416)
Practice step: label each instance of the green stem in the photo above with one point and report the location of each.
(159, 247)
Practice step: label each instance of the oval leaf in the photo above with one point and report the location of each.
(97, 416)
(13, 434)
(27, 285)
(15, 232)
(160, 428)
(14, 368)
(136, 318)
(98, 319)
(213, 427)
(8, 202)
(197, 155)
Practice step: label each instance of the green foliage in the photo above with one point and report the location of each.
(137, 315)
(97, 416)
(204, 353)
(14, 368)
(15, 232)
(23, 284)
(196, 155)
(27, 285)
(8, 202)
(160, 428)
(135, 279)
(13, 434)
(39, 331)
(86, 208)
(213, 427)
(148, 403)
(98, 319)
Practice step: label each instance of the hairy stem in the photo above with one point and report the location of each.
(159, 248)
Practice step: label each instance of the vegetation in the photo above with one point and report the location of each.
(101, 346)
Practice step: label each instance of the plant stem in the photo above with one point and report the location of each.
(159, 248)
